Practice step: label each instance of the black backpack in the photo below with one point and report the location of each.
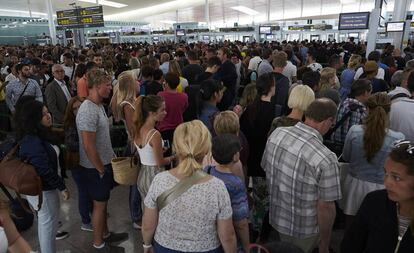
(22, 218)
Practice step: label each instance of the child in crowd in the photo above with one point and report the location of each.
(226, 152)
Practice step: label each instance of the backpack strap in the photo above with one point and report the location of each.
(338, 124)
(399, 95)
(176, 191)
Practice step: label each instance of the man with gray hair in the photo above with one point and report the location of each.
(57, 94)
(303, 179)
(399, 80)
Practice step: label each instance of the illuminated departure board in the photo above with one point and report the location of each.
(80, 18)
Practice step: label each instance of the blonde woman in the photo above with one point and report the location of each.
(327, 85)
(198, 220)
(174, 67)
(347, 76)
(300, 98)
(122, 105)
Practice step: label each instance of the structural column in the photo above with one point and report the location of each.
(207, 13)
(51, 22)
(400, 13)
(373, 27)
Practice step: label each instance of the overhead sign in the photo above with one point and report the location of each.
(80, 18)
(265, 30)
(353, 21)
(395, 26)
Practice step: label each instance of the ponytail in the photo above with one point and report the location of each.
(192, 141)
(143, 106)
(376, 124)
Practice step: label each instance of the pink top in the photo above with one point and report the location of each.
(176, 104)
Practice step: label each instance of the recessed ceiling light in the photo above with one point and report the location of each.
(245, 10)
(106, 3)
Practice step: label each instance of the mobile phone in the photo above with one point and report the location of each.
(166, 144)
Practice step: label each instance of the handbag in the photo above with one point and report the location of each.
(170, 195)
(126, 169)
(20, 176)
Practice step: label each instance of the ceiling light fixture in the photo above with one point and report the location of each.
(155, 9)
(106, 3)
(245, 10)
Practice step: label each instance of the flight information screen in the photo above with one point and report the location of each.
(80, 18)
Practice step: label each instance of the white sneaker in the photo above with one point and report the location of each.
(87, 227)
(137, 225)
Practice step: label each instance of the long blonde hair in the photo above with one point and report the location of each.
(174, 67)
(192, 141)
(125, 91)
(326, 75)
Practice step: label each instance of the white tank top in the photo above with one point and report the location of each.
(3, 241)
(146, 153)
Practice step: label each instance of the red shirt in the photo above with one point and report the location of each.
(176, 104)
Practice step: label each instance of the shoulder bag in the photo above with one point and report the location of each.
(20, 176)
(170, 195)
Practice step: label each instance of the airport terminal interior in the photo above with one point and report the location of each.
(207, 126)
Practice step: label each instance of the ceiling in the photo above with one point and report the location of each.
(162, 13)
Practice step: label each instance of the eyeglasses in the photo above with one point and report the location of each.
(410, 147)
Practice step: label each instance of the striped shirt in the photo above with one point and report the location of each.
(15, 88)
(300, 170)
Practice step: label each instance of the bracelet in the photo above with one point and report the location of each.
(146, 246)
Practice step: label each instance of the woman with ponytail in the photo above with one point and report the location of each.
(366, 148)
(385, 222)
(200, 218)
(148, 111)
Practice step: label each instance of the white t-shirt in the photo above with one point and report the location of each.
(360, 71)
(289, 71)
(254, 62)
(69, 70)
(402, 117)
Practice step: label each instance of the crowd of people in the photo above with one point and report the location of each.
(239, 144)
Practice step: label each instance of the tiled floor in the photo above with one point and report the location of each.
(119, 221)
(80, 241)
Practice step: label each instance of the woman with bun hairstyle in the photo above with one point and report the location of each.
(385, 220)
(148, 111)
(199, 219)
(211, 93)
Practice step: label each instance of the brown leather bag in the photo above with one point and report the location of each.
(20, 176)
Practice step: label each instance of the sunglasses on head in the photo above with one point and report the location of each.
(410, 147)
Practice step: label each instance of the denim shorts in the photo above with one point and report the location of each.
(98, 188)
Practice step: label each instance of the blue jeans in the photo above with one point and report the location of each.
(85, 203)
(47, 219)
(160, 249)
(135, 203)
